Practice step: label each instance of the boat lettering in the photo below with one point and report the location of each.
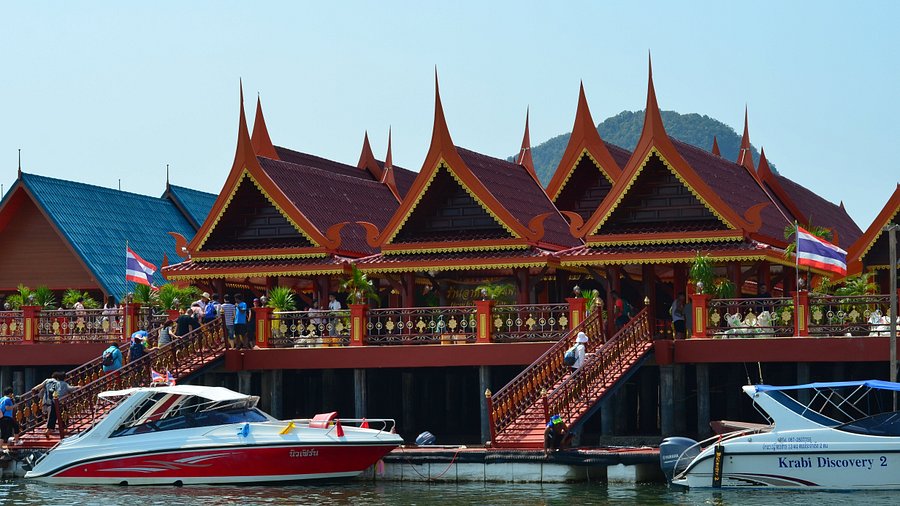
(779, 447)
(832, 462)
(310, 452)
(827, 462)
(794, 463)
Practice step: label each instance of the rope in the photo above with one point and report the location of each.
(442, 473)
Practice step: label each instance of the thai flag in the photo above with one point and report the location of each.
(815, 252)
(170, 379)
(137, 269)
(156, 377)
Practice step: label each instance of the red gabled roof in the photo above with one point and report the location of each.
(367, 160)
(867, 239)
(584, 137)
(525, 159)
(262, 144)
(745, 156)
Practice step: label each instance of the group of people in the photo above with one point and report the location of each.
(51, 390)
(239, 318)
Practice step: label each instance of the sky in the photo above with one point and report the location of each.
(100, 92)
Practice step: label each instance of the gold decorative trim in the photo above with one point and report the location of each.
(189, 277)
(454, 249)
(878, 235)
(439, 268)
(584, 152)
(672, 240)
(286, 256)
(246, 174)
(676, 174)
(670, 260)
(443, 164)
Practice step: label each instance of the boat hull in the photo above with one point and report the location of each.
(223, 464)
(841, 470)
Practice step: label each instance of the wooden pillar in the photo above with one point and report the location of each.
(322, 286)
(615, 283)
(667, 400)
(30, 378)
(735, 276)
(220, 288)
(679, 409)
(700, 303)
(563, 289)
(329, 390)
(359, 393)
(801, 313)
(764, 275)
(132, 311)
(702, 401)
(802, 379)
(30, 320)
(359, 319)
(483, 317)
(577, 308)
(648, 273)
(271, 282)
(607, 415)
(484, 385)
(408, 293)
(263, 324)
(407, 402)
(244, 382)
(523, 295)
(273, 391)
(680, 279)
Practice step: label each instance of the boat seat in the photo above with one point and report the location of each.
(322, 420)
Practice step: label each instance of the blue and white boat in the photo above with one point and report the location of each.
(847, 437)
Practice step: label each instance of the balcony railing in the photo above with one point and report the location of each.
(858, 315)
(425, 325)
(769, 317)
(538, 322)
(11, 326)
(84, 325)
(308, 329)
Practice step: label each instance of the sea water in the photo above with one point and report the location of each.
(15, 492)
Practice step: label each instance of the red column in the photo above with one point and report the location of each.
(132, 309)
(359, 320)
(700, 302)
(801, 313)
(30, 319)
(173, 313)
(263, 322)
(577, 308)
(483, 317)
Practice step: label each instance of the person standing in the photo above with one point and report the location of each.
(165, 333)
(54, 388)
(186, 323)
(678, 320)
(9, 427)
(211, 310)
(137, 350)
(580, 350)
(240, 322)
(333, 305)
(204, 299)
(228, 311)
(111, 359)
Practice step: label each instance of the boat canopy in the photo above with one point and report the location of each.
(215, 394)
(875, 384)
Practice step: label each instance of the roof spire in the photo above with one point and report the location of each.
(715, 147)
(367, 159)
(745, 157)
(525, 159)
(440, 133)
(244, 151)
(167, 175)
(20, 162)
(387, 177)
(653, 124)
(262, 143)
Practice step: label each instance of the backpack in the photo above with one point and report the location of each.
(50, 388)
(135, 351)
(570, 357)
(211, 311)
(107, 359)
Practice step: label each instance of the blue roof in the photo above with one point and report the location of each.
(876, 384)
(196, 203)
(98, 221)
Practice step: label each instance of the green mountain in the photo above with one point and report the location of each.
(624, 129)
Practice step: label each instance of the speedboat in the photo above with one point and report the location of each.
(847, 437)
(189, 434)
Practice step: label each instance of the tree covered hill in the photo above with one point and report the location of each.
(624, 129)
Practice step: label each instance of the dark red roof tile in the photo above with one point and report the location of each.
(822, 212)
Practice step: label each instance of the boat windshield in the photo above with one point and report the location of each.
(882, 424)
(166, 411)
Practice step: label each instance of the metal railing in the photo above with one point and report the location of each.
(12, 325)
(82, 325)
(523, 393)
(425, 325)
(536, 322)
(308, 329)
(768, 317)
(601, 369)
(853, 315)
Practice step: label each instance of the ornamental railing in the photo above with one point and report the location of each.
(856, 315)
(12, 324)
(425, 325)
(536, 322)
(309, 329)
(71, 325)
(766, 317)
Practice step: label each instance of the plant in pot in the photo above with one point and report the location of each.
(71, 296)
(359, 288)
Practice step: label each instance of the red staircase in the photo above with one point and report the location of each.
(81, 408)
(520, 410)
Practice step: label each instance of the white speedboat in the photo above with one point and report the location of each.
(192, 434)
(847, 437)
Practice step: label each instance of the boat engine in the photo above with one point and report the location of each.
(671, 449)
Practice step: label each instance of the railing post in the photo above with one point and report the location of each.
(483, 317)
(30, 320)
(359, 320)
(488, 396)
(577, 309)
(700, 301)
(263, 322)
(801, 313)
(132, 313)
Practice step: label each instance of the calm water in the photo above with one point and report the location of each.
(22, 492)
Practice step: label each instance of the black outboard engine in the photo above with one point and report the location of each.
(426, 439)
(671, 449)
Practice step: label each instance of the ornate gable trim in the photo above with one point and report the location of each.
(571, 171)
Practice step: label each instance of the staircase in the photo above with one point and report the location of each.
(78, 411)
(520, 410)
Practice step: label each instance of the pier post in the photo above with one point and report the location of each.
(484, 385)
(18, 382)
(802, 379)
(702, 400)
(666, 400)
(244, 382)
(274, 391)
(406, 399)
(5, 377)
(30, 380)
(359, 393)
(607, 415)
(680, 409)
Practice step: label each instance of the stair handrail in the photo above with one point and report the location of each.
(571, 397)
(524, 390)
(208, 341)
(28, 410)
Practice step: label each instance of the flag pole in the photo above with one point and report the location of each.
(797, 254)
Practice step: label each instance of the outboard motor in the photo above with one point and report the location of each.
(426, 439)
(671, 449)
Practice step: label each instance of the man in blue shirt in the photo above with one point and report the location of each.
(240, 322)
(111, 359)
(9, 428)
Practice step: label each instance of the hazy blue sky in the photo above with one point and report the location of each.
(97, 91)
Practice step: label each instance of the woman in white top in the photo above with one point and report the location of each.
(580, 350)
